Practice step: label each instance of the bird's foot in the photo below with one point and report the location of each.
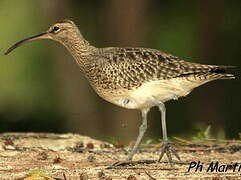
(131, 152)
(167, 148)
(130, 156)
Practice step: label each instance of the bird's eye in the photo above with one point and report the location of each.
(56, 29)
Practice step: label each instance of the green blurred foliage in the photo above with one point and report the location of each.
(28, 91)
(41, 89)
(203, 134)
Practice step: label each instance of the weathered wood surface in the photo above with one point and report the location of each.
(75, 157)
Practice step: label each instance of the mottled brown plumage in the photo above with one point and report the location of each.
(129, 68)
(135, 78)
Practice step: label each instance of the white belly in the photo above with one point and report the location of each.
(149, 93)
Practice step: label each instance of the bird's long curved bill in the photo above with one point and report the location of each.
(39, 36)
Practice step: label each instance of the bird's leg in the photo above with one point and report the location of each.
(142, 130)
(167, 145)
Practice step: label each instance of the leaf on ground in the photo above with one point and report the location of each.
(38, 175)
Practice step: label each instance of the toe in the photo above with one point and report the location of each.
(168, 149)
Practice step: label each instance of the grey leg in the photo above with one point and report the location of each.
(167, 145)
(162, 109)
(142, 130)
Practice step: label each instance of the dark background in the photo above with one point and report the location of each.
(41, 88)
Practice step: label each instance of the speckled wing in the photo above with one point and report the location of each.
(130, 67)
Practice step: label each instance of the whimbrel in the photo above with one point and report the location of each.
(133, 78)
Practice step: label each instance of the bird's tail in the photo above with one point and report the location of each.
(205, 73)
(210, 76)
(220, 72)
(208, 72)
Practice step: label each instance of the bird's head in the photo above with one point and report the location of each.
(64, 31)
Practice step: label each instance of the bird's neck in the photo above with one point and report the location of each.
(81, 50)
